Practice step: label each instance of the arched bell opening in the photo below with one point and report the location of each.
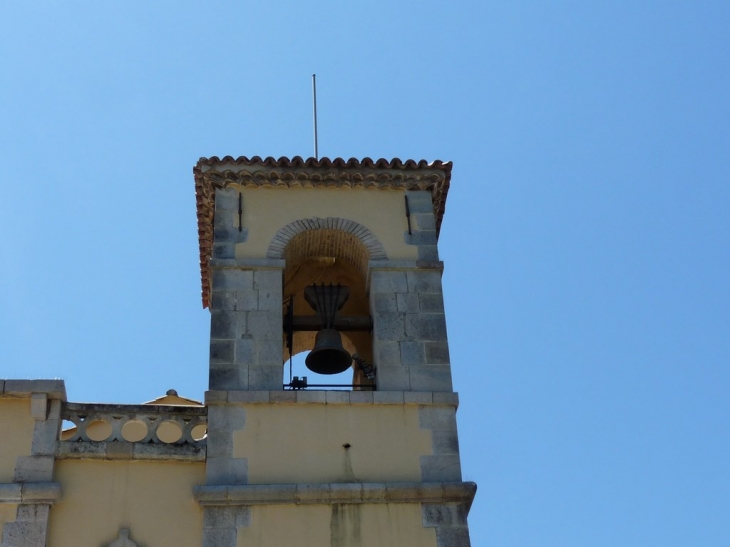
(335, 262)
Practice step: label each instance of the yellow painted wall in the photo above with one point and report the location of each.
(16, 434)
(153, 499)
(376, 525)
(266, 210)
(304, 443)
(7, 514)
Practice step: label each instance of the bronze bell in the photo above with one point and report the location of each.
(328, 355)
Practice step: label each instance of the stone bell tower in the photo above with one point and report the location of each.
(373, 465)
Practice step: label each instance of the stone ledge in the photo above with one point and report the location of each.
(30, 492)
(324, 494)
(54, 389)
(248, 263)
(317, 397)
(375, 265)
(91, 450)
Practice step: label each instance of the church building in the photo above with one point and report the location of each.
(336, 260)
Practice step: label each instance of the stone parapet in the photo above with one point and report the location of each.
(219, 397)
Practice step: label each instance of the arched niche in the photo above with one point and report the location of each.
(328, 251)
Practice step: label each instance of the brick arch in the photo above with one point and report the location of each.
(346, 227)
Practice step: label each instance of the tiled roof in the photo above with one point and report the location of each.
(212, 173)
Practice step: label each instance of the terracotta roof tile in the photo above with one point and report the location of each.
(212, 173)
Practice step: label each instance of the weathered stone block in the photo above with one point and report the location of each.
(226, 199)
(227, 324)
(219, 537)
(55, 389)
(270, 352)
(438, 514)
(444, 467)
(389, 326)
(283, 397)
(38, 406)
(45, 435)
(213, 397)
(431, 378)
(248, 396)
(412, 353)
(437, 418)
(245, 351)
(361, 397)
(437, 353)
(223, 300)
(311, 397)
(388, 397)
(383, 302)
(393, 378)
(408, 303)
(428, 253)
(419, 201)
(265, 378)
(228, 377)
(424, 221)
(232, 279)
(120, 450)
(424, 281)
(418, 397)
(386, 353)
(448, 536)
(446, 398)
(445, 441)
(337, 397)
(388, 282)
(24, 534)
(221, 351)
(265, 324)
(268, 281)
(426, 326)
(270, 300)
(226, 471)
(247, 300)
(224, 250)
(34, 469)
(420, 238)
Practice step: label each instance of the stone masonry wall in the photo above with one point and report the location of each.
(410, 347)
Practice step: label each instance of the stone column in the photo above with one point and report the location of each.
(410, 347)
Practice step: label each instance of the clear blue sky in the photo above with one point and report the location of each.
(586, 237)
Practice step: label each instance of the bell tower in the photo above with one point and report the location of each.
(338, 258)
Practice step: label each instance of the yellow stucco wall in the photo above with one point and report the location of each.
(381, 525)
(266, 210)
(7, 514)
(304, 443)
(153, 499)
(16, 434)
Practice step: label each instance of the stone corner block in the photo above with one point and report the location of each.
(38, 406)
(34, 468)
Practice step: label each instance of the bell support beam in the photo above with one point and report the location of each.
(347, 323)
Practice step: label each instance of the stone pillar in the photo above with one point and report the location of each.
(34, 473)
(410, 348)
(246, 336)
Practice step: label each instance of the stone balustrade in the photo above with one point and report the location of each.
(133, 431)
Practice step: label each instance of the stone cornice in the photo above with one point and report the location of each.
(351, 493)
(213, 173)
